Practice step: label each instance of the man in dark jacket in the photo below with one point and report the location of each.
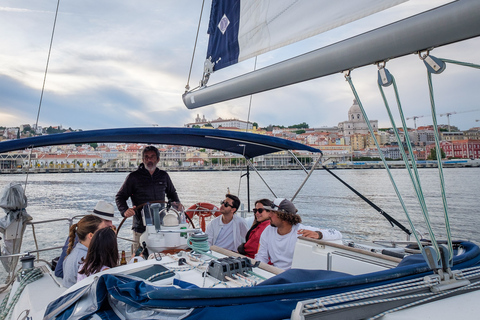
(147, 183)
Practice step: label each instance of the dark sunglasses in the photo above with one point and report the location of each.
(260, 210)
(226, 204)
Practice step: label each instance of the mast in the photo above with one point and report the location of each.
(453, 22)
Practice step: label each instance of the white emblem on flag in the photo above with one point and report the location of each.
(223, 24)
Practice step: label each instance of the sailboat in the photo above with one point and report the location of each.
(327, 280)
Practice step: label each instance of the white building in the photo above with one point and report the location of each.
(356, 124)
(225, 123)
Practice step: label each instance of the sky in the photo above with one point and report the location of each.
(119, 63)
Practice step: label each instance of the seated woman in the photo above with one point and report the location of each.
(84, 230)
(102, 254)
(261, 221)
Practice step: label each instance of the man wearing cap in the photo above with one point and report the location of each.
(277, 242)
(102, 210)
(147, 183)
(228, 230)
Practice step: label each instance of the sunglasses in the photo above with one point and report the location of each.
(260, 210)
(226, 204)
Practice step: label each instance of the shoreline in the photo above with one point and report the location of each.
(339, 166)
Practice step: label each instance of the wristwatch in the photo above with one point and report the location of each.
(320, 235)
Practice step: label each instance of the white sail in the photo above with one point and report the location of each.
(246, 28)
(453, 22)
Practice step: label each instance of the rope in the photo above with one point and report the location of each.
(43, 89)
(392, 180)
(351, 299)
(29, 277)
(187, 86)
(440, 166)
(373, 205)
(199, 244)
(439, 152)
(465, 64)
(414, 177)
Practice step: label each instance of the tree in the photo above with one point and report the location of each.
(94, 145)
(433, 154)
(302, 125)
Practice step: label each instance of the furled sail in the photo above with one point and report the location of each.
(456, 21)
(242, 29)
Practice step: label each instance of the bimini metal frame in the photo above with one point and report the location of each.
(248, 145)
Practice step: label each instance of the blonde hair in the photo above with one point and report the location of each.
(86, 225)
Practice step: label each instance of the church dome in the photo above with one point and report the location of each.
(354, 113)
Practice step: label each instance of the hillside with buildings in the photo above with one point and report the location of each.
(347, 141)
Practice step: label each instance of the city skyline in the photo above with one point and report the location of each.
(124, 65)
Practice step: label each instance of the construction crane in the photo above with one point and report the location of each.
(415, 120)
(448, 114)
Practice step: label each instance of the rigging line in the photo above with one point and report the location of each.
(440, 167)
(414, 178)
(250, 103)
(365, 117)
(373, 205)
(187, 86)
(43, 88)
(465, 64)
(241, 172)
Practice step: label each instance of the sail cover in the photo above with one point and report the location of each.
(241, 29)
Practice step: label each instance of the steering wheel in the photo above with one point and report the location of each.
(139, 207)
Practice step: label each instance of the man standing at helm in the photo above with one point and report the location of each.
(147, 183)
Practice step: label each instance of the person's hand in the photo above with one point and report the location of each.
(309, 233)
(130, 212)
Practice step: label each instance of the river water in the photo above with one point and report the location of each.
(323, 201)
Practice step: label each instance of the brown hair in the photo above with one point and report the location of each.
(291, 218)
(236, 201)
(86, 225)
(102, 252)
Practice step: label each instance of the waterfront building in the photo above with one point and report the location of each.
(356, 124)
(336, 153)
(465, 149)
(472, 133)
(451, 136)
(232, 123)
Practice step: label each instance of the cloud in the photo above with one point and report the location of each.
(123, 63)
